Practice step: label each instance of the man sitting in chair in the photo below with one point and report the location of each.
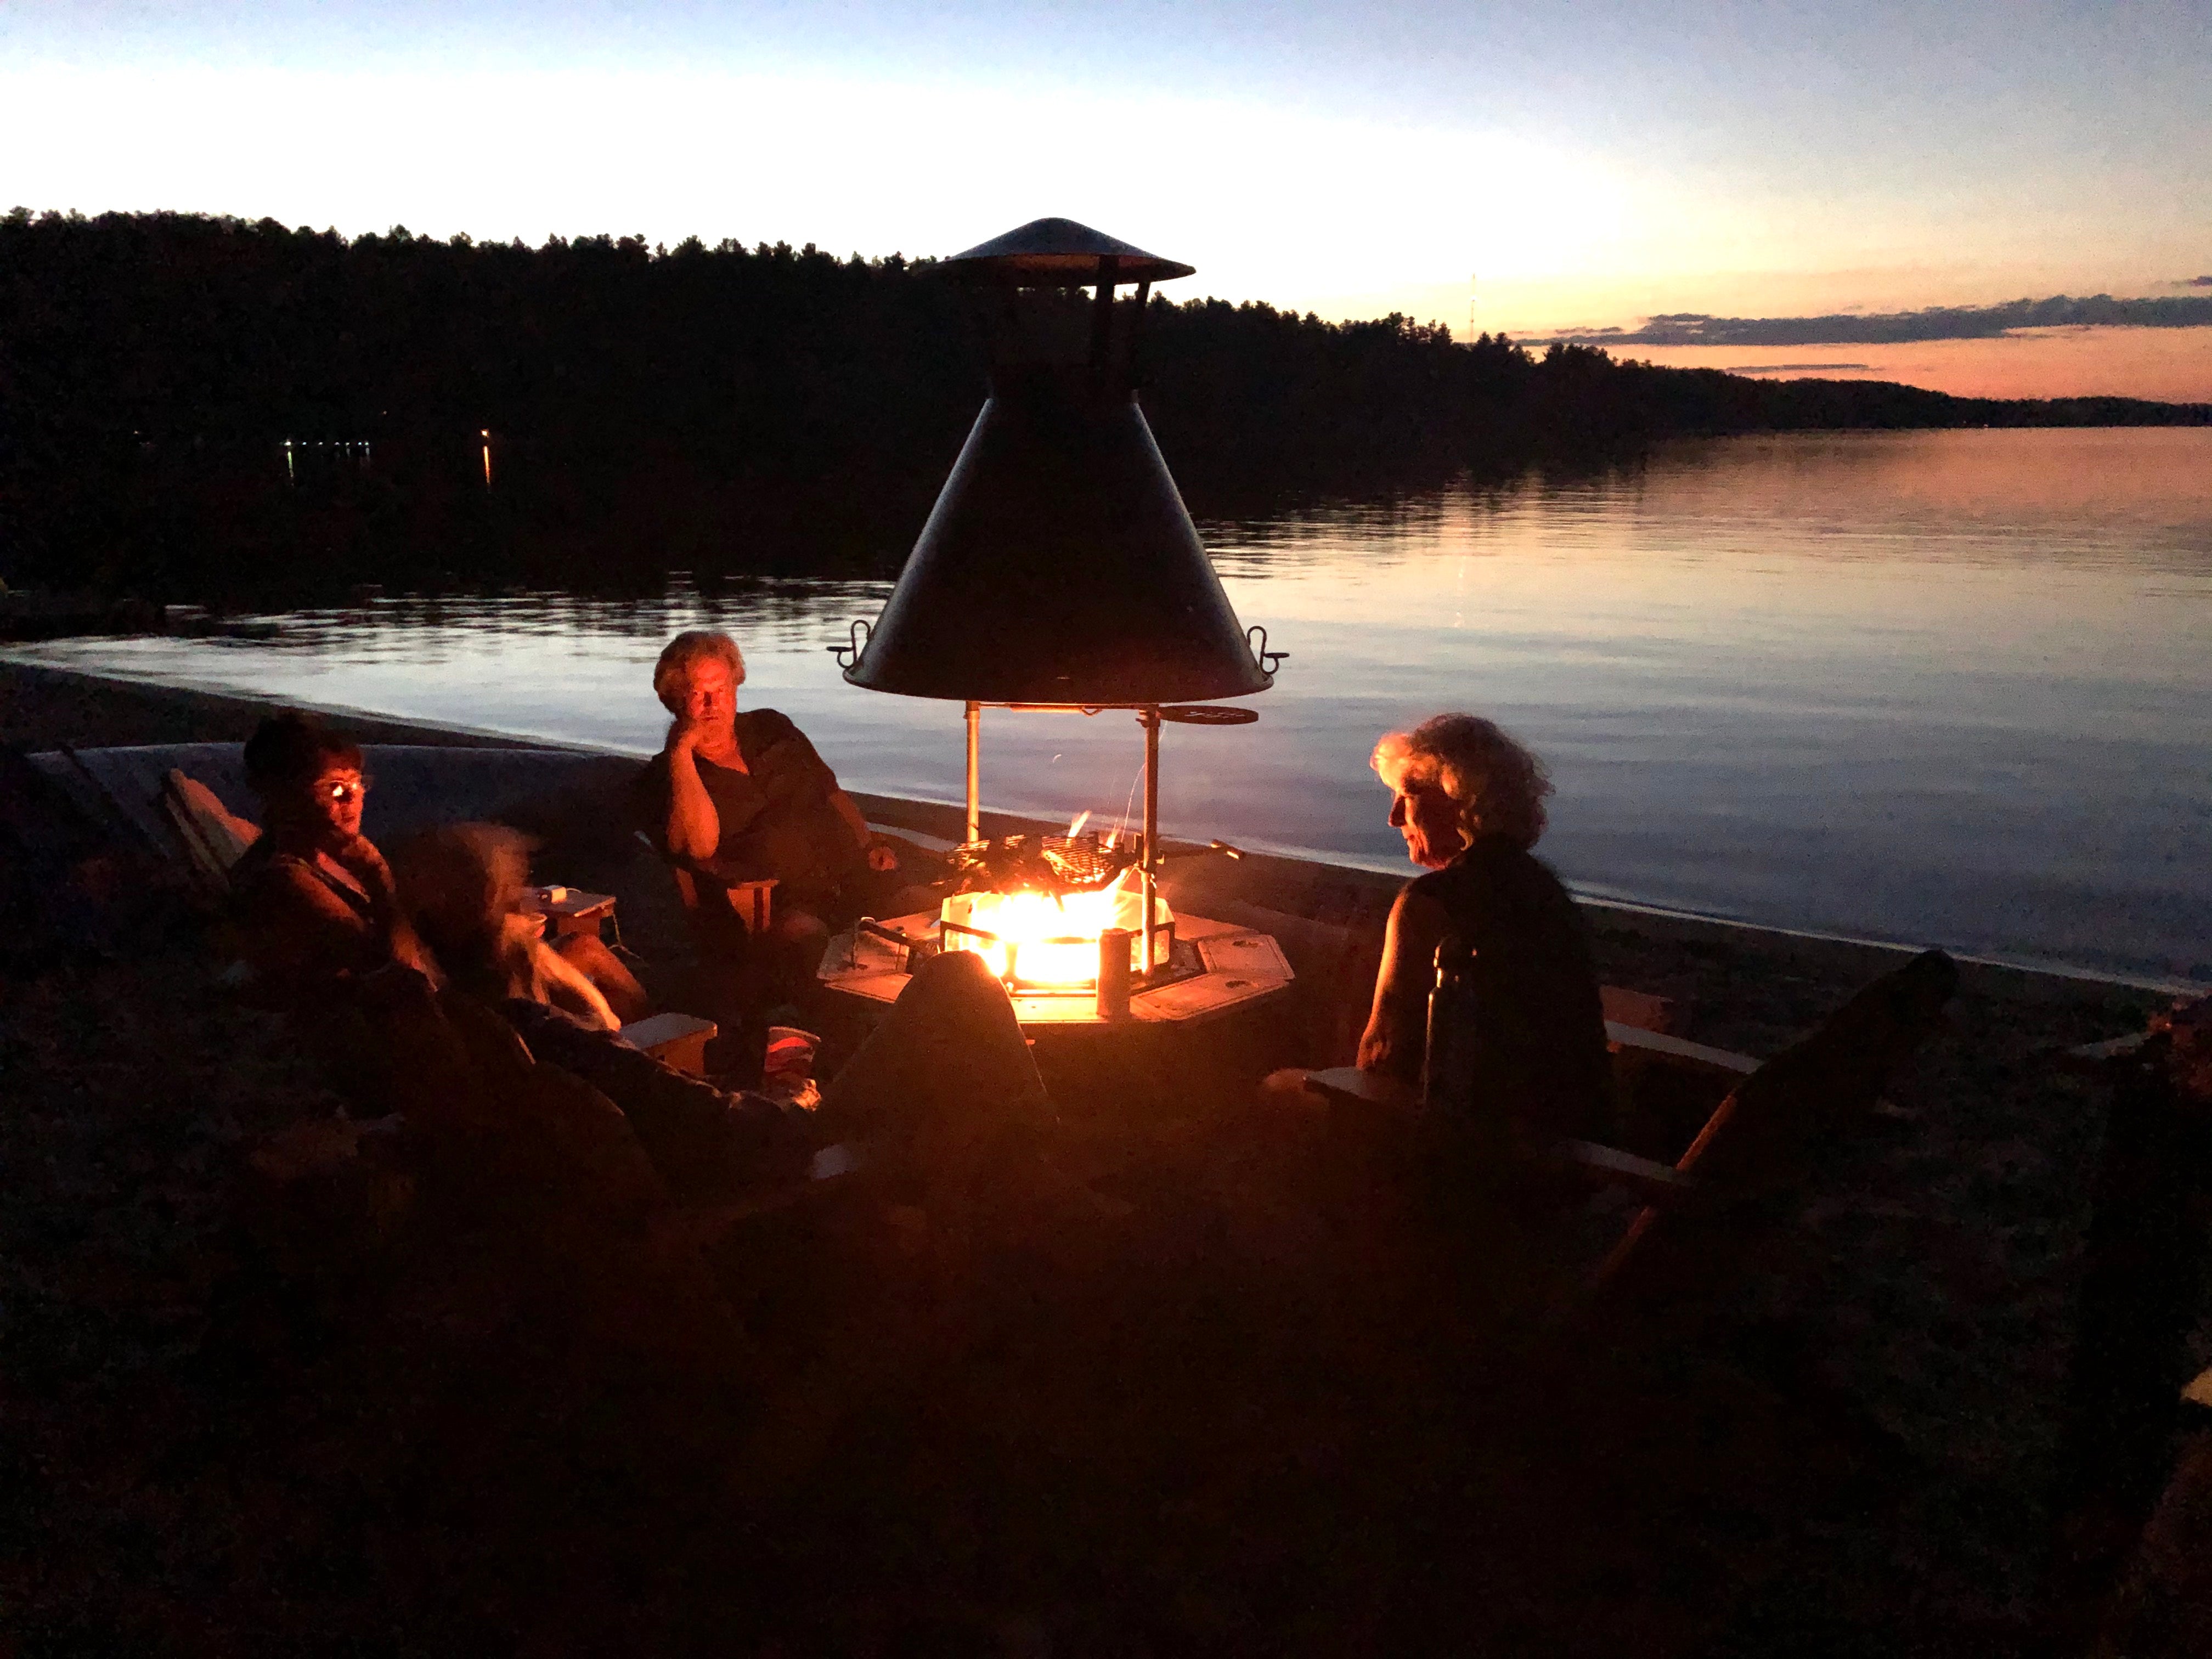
(735, 796)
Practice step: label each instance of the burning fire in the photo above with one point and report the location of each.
(1037, 939)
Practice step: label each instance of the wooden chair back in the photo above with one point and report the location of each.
(210, 837)
(1767, 1136)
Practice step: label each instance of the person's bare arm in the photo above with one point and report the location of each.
(694, 829)
(588, 955)
(1397, 1027)
(879, 856)
(566, 987)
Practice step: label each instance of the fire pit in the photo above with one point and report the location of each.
(1059, 920)
(1215, 970)
(1061, 917)
(1060, 570)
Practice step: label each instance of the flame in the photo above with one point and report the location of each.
(1042, 940)
(1075, 824)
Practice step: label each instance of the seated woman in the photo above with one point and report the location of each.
(1469, 801)
(740, 797)
(314, 900)
(462, 885)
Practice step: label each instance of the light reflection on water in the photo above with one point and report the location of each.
(1943, 687)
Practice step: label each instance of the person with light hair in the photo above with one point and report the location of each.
(740, 796)
(1469, 801)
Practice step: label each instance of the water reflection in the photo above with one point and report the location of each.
(1948, 687)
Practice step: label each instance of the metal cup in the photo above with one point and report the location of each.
(1114, 973)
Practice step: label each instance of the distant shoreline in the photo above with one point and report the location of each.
(202, 408)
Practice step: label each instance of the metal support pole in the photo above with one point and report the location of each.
(1132, 371)
(974, 783)
(1102, 317)
(1149, 717)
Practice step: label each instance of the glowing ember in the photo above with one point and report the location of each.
(1035, 939)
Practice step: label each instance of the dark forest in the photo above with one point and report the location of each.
(205, 409)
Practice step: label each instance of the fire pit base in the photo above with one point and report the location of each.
(1234, 968)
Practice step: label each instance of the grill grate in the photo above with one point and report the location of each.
(1039, 864)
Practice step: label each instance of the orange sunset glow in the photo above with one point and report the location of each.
(1530, 170)
(2173, 365)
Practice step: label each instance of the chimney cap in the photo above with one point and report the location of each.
(1059, 253)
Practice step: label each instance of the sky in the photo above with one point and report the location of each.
(1538, 168)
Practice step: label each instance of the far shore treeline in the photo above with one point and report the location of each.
(720, 410)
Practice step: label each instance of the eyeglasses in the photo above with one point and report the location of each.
(342, 790)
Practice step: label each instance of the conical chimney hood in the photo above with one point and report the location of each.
(1058, 252)
(1060, 564)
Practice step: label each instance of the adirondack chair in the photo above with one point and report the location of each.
(1767, 1138)
(1762, 1141)
(2145, 1261)
(210, 838)
(715, 901)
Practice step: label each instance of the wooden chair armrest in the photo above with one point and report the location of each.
(2093, 1057)
(573, 911)
(1349, 1085)
(677, 1040)
(1674, 1051)
(1660, 1186)
(751, 902)
(1642, 1009)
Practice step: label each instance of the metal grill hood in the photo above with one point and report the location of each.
(1058, 565)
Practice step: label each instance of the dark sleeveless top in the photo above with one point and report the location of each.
(1542, 1041)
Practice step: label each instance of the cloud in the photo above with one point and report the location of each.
(2195, 281)
(1691, 328)
(1787, 368)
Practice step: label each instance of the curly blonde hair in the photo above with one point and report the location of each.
(1498, 785)
(694, 645)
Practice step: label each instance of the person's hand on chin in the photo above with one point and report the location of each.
(357, 854)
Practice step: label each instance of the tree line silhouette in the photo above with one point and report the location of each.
(194, 407)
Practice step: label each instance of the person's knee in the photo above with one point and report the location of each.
(955, 1002)
(957, 973)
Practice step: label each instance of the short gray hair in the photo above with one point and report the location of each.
(693, 646)
(1498, 785)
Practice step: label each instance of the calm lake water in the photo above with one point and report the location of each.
(1949, 687)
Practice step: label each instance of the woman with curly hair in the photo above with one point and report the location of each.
(1469, 800)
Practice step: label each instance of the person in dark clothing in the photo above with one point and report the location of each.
(1469, 801)
(313, 898)
(743, 796)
